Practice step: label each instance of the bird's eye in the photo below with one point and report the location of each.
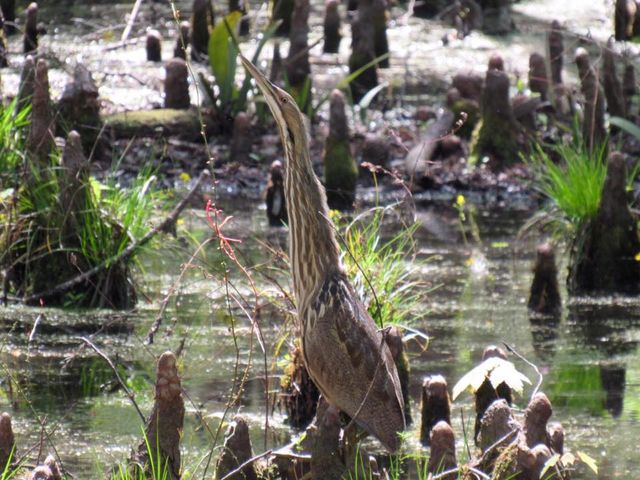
(283, 99)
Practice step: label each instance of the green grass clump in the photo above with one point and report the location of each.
(384, 265)
(574, 184)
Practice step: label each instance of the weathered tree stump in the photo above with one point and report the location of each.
(603, 255)
(375, 11)
(182, 40)
(624, 18)
(9, 14)
(282, 11)
(201, 20)
(495, 135)
(555, 45)
(154, 46)
(396, 346)
(276, 205)
(611, 83)
(332, 35)
(7, 442)
(30, 41)
(237, 450)
(241, 140)
(443, 451)
(593, 129)
(176, 84)
(340, 170)
(298, 393)
(79, 108)
(538, 80)
(544, 296)
(40, 139)
(435, 406)
(536, 417)
(164, 426)
(297, 65)
(362, 53)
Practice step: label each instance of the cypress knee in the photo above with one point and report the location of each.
(538, 81)
(30, 42)
(281, 11)
(176, 84)
(593, 130)
(495, 135)
(297, 66)
(603, 259)
(544, 296)
(362, 53)
(555, 42)
(340, 170)
(332, 35)
(276, 205)
(7, 442)
(435, 406)
(611, 83)
(164, 426)
(154, 46)
(201, 20)
(182, 41)
(241, 141)
(443, 451)
(237, 450)
(40, 139)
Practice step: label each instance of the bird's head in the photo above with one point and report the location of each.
(282, 105)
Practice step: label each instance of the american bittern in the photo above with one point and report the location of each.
(344, 352)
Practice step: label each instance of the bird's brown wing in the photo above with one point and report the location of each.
(351, 364)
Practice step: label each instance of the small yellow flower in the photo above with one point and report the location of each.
(460, 200)
(470, 261)
(185, 177)
(637, 257)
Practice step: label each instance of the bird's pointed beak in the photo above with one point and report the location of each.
(266, 87)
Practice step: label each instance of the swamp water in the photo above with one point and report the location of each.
(589, 359)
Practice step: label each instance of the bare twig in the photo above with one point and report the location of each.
(127, 252)
(115, 371)
(532, 365)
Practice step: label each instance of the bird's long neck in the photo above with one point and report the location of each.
(312, 242)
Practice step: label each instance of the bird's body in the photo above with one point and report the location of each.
(344, 352)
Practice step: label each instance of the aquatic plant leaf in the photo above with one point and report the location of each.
(222, 55)
(590, 462)
(497, 371)
(624, 124)
(552, 462)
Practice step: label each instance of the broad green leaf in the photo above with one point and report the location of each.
(222, 55)
(590, 462)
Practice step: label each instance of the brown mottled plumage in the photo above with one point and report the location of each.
(344, 352)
